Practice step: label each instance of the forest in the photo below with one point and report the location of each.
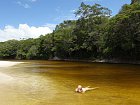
(94, 35)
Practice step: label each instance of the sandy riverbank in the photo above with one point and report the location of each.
(4, 77)
(8, 63)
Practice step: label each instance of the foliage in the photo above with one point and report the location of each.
(122, 38)
(8, 49)
(94, 35)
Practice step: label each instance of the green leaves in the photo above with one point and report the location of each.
(88, 11)
(123, 31)
(135, 1)
(93, 36)
(8, 49)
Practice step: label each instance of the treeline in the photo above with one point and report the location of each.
(94, 35)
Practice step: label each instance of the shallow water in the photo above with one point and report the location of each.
(54, 82)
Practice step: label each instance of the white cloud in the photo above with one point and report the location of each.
(32, 0)
(25, 5)
(73, 11)
(51, 26)
(61, 18)
(23, 31)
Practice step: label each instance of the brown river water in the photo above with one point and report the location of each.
(54, 83)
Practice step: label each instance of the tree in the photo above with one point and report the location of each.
(45, 46)
(122, 38)
(63, 39)
(94, 35)
(135, 1)
(24, 48)
(89, 29)
(8, 49)
(32, 53)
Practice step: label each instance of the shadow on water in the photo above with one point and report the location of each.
(54, 82)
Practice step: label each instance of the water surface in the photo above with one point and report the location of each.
(54, 82)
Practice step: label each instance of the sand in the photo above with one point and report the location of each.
(3, 64)
(8, 63)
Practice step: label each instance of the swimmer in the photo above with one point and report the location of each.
(81, 89)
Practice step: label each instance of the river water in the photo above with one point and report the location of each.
(54, 82)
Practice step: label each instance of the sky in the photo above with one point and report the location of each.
(31, 18)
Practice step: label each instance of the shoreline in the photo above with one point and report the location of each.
(9, 63)
(112, 61)
(6, 63)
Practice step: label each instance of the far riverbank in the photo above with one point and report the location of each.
(115, 61)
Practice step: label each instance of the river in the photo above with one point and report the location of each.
(54, 82)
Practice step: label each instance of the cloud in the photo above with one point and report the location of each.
(51, 26)
(32, 0)
(63, 17)
(73, 11)
(23, 31)
(25, 5)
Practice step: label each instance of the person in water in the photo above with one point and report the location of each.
(81, 89)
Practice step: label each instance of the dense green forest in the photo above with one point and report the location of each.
(94, 35)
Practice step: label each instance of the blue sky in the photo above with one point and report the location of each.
(26, 16)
